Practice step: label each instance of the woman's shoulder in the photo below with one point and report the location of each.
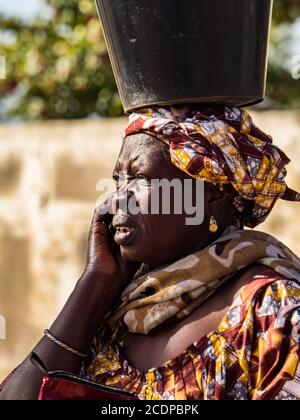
(268, 291)
(265, 294)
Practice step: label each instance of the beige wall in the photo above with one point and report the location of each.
(48, 176)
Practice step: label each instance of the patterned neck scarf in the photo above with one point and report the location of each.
(174, 291)
(223, 146)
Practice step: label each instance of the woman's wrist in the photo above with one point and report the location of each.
(100, 282)
(86, 308)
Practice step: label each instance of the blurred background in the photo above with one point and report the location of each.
(61, 122)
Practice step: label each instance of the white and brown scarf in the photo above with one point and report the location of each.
(175, 290)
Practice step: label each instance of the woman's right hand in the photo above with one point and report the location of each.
(105, 277)
(104, 257)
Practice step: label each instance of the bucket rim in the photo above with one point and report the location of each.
(237, 101)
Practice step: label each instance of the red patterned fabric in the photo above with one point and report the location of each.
(254, 354)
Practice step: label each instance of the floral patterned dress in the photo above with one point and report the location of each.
(253, 355)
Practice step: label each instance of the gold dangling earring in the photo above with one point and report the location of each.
(213, 225)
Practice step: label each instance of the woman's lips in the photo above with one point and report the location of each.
(124, 235)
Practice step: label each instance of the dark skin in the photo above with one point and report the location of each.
(156, 240)
(162, 238)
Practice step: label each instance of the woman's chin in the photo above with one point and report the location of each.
(132, 253)
(137, 253)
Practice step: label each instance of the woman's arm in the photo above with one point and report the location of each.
(105, 277)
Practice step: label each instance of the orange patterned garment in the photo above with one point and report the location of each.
(253, 355)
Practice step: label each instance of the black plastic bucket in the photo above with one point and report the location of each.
(187, 51)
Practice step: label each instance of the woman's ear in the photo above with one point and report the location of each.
(213, 196)
(218, 205)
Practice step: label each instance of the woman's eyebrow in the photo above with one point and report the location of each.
(132, 167)
(136, 164)
(134, 160)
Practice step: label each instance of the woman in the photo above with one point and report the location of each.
(170, 310)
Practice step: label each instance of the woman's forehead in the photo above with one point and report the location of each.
(132, 152)
(140, 150)
(149, 155)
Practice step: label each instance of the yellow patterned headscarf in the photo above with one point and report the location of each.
(223, 146)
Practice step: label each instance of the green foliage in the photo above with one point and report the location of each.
(59, 67)
(282, 89)
(286, 11)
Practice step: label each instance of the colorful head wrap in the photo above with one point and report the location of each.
(222, 145)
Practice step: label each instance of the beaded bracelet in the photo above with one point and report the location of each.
(64, 345)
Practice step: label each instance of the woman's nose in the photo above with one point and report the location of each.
(121, 198)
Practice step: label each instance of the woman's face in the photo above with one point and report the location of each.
(154, 239)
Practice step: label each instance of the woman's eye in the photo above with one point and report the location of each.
(141, 176)
(142, 179)
(139, 179)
